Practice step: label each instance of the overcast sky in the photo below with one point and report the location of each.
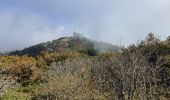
(27, 22)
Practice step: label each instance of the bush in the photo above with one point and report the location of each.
(92, 52)
(50, 57)
(47, 96)
(23, 69)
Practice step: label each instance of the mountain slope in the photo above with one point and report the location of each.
(78, 43)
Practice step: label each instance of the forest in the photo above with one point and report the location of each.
(77, 70)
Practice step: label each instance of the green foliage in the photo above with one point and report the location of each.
(13, 95)
(46, 96)
(92, 52)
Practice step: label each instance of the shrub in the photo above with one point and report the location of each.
(50, 57)
(47, 96)
(92, 52)
(23, 69)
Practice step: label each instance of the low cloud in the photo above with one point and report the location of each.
(24, 23)
(20, 30)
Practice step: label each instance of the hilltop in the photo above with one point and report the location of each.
(76, 42)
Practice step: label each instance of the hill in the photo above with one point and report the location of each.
(78, 43)
(62, 72)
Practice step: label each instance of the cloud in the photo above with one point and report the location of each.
(20, 30)
(105, 20)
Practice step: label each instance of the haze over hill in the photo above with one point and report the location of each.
(76, 42)
(29, 22)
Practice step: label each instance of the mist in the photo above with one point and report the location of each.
(28, 22)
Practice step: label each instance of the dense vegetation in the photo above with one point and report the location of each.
(79, 71)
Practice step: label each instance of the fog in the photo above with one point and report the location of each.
(28, 22)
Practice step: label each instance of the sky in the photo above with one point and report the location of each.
(27, 22)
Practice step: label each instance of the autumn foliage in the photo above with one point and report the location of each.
(138, 72)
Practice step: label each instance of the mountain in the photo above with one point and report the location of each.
(76, 42)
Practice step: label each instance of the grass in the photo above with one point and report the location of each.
(20, 92)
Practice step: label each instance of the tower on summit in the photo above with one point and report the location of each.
(76, 34)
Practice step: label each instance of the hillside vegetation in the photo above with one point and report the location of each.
(73, 68)
(75, 43)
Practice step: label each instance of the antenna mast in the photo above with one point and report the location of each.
(75, 31)
(76, 34)
(75, 28)
(120, 41)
